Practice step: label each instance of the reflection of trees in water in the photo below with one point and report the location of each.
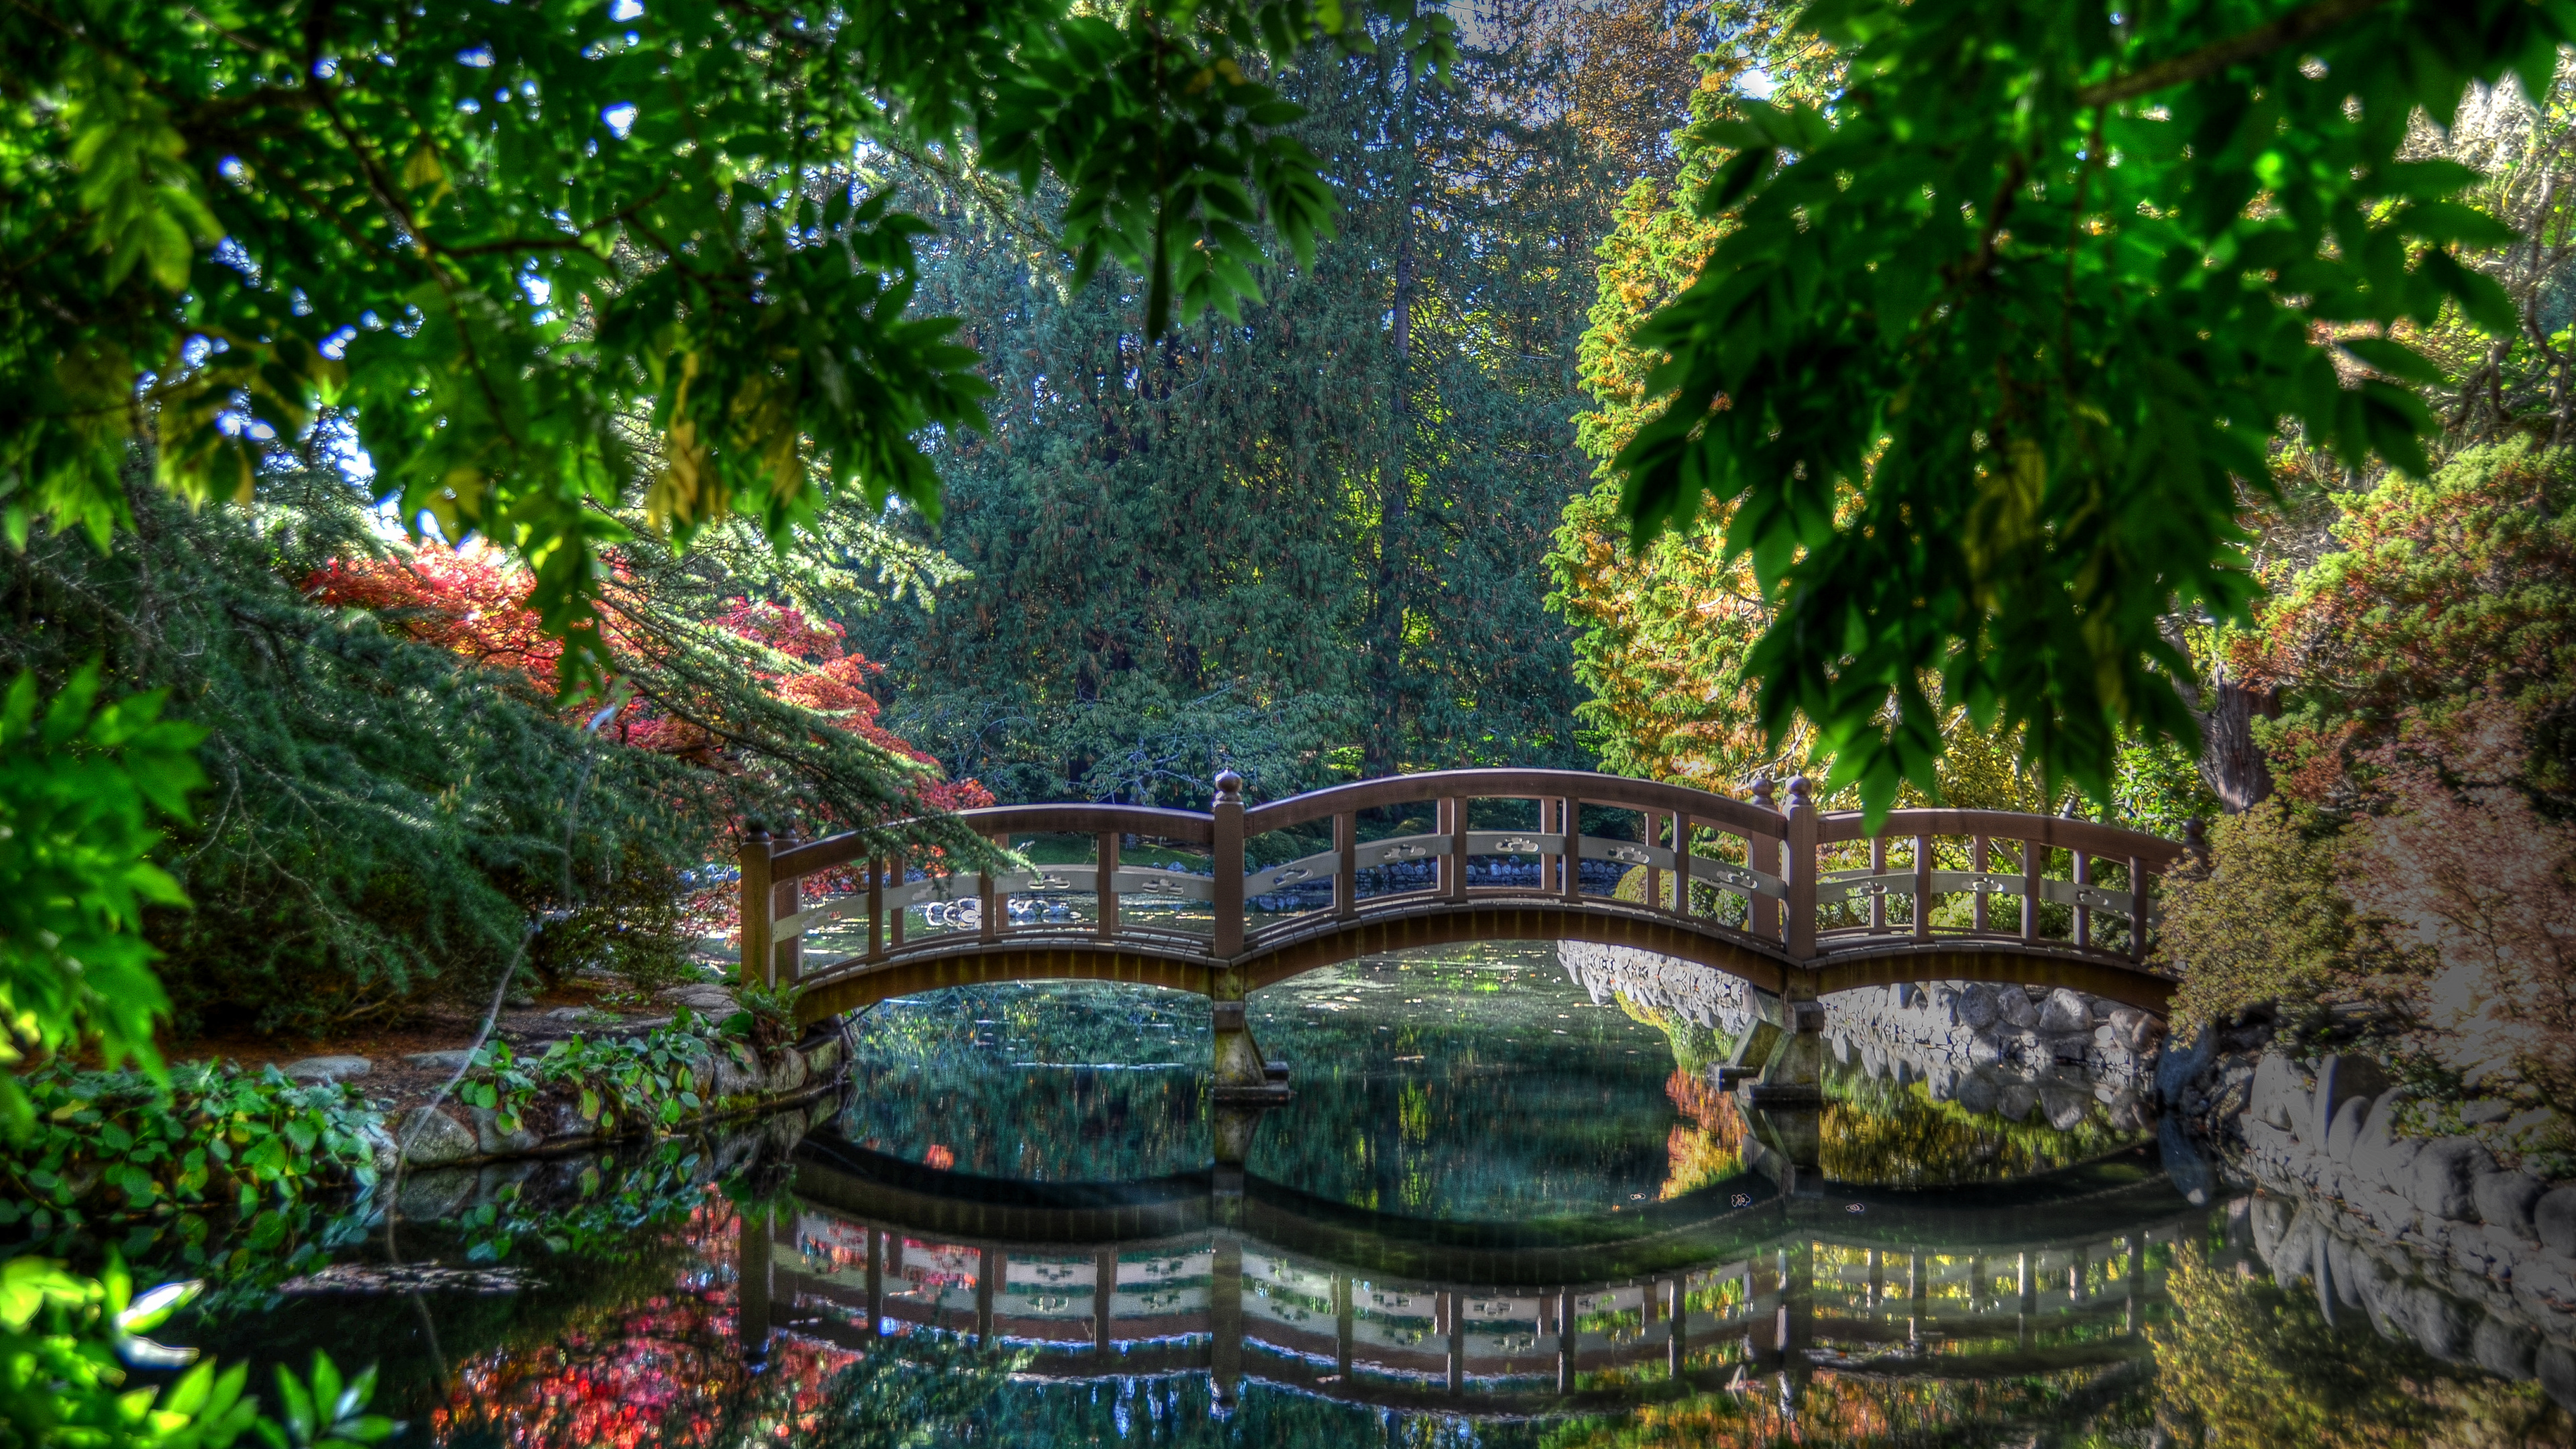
(1179, 1413)
(1477, 1129)
(1896, 1136)
(1707, 1148)
(2106, 1406)
(1484, 1113)
(1027, 1082)
(2244, 1364)
(658, 1366)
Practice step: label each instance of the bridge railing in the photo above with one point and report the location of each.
(1791, 881)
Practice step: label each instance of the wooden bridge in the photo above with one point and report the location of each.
(1796, 901)
(1246, 1279)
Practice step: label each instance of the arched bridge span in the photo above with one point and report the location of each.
(1256, 1281)
(1796, 901)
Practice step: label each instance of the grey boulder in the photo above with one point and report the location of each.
(2342, 1079)
(326, 1069)
(2554, 1216)
(431, 1138)
(1975, 1006)
(2066, 1012)
(2442, 1181)
(2013, 1005)
(2505, 1200)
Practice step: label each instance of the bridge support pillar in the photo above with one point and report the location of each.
(1225, 1320)
(751, 1286)
(1794, 1074)
(1244, 1083)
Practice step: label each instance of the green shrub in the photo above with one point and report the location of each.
(2266, 919)
(213, 1169)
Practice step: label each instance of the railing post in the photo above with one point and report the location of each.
(1923, 888)
(989, 907)
(1681, 864)
(1228, 809)
(2032, 853)
(2140, 877)
(1108, 884)
(1456, 808)
(1762, 853)
(2083, 913)
(1571, 808)
(1801, 937)
(1346, 868)
(876, 918)
(1654, 877)
(755, 904)
(1977, 854)
(1878, 889)
(786, 898)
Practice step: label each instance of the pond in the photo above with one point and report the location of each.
(1503, 1206)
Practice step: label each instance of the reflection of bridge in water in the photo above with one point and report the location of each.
(1238, 1277)
(1796, 901)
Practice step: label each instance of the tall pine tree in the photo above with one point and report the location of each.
(1308, 545)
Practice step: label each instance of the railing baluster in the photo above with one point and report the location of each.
(755, 907)
(2083, 913)
(990, 926)
(1682, 828)
(1573, 805)
(1346, 870)
(1651, 822)
(2031, 855)
(894, 923)
(1877, 889)
(1923, 888)
(1456, 809)
(1108, 884)
(876, 910)
(1980, 860)
(2139, 879)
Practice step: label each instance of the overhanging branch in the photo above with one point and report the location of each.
(2290, 29)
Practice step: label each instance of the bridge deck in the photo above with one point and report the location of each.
(1791, 899)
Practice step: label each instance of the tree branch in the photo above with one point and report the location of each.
(2290, 29)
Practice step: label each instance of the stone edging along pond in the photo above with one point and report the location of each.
(729, 1078)
(2430, 1237)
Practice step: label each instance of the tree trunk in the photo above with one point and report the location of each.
(2231, 764)
(1385, 629)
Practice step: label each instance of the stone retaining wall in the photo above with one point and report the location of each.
(2009, 1050)
(729, 1077)
(2432, 1238)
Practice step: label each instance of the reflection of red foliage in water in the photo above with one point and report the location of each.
(662, 1370)
(939, 1157)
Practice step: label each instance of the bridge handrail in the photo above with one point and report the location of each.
(1507, 784)
(833, 851)
(1843, 827)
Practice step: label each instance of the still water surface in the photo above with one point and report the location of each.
(1495, 1212)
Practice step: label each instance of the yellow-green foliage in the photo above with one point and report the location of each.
(2263, 921)
(2245, 1365)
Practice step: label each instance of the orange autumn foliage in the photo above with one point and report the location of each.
(473, 602)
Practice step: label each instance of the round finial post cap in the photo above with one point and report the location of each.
(1229, 785)
(1762, 788)
(755, 829)
(1799, 790)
